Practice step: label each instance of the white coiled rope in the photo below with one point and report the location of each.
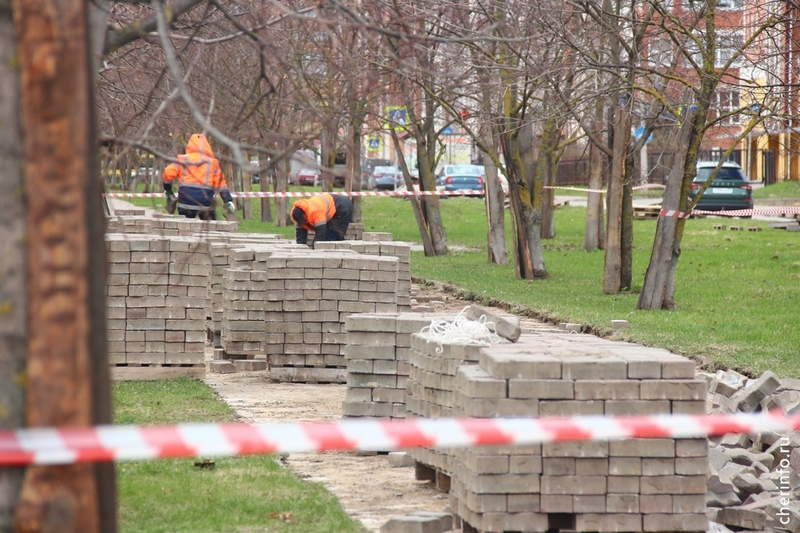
(461, 331)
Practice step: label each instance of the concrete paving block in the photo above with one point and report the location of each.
(412, 524)
(742, 518)
(500, 325)
(542, 389)
(785, 517)
(619, 324)
(446, 519)
(595, 368)
(608, 523)
(675, 522)
(728, 382)
(748, 398)
(504, 365)
(222, 367)
(400, 459)
(250, 365)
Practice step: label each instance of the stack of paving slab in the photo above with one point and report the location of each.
(631, 485)
(431, 387)
(382, 244)
(754, 480)
(155, 294)
(377, 354)
(310, 296)
(242, 334)
(237, 251)
(166, 225)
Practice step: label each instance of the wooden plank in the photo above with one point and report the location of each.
(140, 373)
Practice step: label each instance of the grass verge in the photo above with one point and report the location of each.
(237, 494)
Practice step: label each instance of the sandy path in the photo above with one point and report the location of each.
(369, 489)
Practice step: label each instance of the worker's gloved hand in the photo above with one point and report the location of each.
(172, 202)
(230, 208)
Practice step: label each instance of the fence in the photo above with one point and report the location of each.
(575, 171)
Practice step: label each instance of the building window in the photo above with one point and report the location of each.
(729, 45)
(725, 101)
(729, 4)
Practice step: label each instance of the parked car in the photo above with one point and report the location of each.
(730, 190)
(461, 177)
(386, 178)
(308, 176)
(367, 168)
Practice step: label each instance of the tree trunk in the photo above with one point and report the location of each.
(67, 364)
(327, 157)
(533, 162)
(247, 203)
(612, 270)
(434, 227)
(626, 240)
(659, 281)
(595, 228)
(427, 245)
(517, 151)
(546, 167)
(354, 162)
(13, 229)
(495, 211)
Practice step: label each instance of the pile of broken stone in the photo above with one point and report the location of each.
(753, 480)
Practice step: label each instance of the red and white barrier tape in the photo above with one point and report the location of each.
(673, 214)
(266, 194)
(51, 446)
(603, 191)
(733, 213)
(308, 194)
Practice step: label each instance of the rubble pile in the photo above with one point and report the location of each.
(753, 481)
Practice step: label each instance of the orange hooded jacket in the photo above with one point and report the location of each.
(318, 210)
(327, 215)
(198, 175)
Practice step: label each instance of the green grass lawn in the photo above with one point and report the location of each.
(737, 292)
(783, 189)
(239, 494)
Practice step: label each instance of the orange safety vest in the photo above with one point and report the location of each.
(319, 210)
(198, 167)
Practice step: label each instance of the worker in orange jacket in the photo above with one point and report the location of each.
(327, 215)
(199, 178)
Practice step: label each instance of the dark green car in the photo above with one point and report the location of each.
(730, 190)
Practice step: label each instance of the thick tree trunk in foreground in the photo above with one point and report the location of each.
(658, 289)
(67, 364)
(13, 263)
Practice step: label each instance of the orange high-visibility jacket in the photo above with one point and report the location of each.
(198, 167)
(319, 210)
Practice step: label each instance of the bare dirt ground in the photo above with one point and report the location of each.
(369, 489)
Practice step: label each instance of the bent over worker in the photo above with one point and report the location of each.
(327, 215)
(199, 178)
